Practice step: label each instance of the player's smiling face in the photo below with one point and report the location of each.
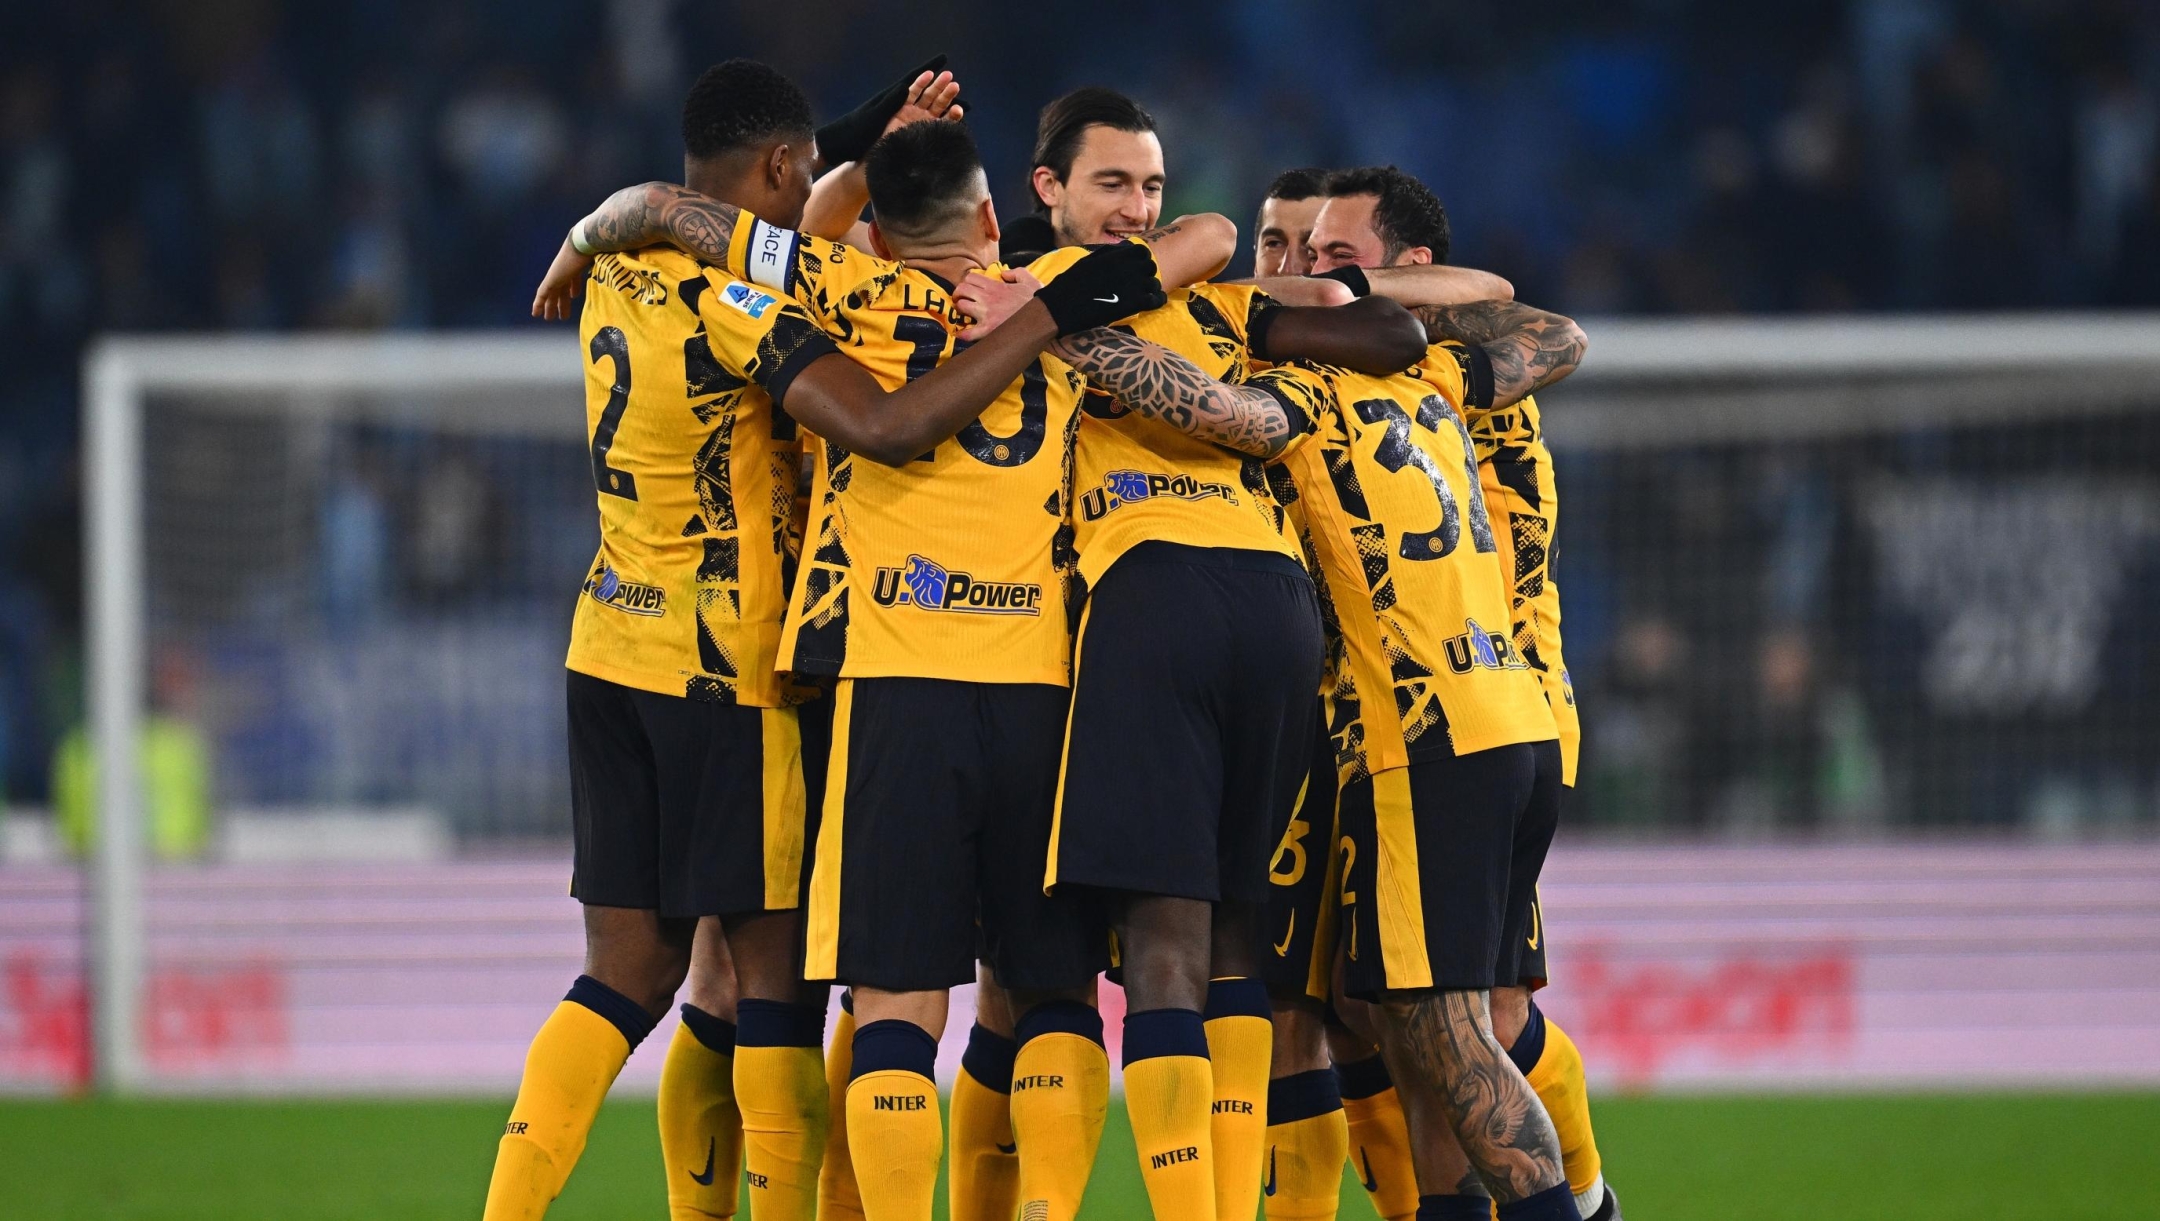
(1284, 247)
(1114, 190)
(1343, 234)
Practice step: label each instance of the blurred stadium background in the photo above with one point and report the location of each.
(1862, 589)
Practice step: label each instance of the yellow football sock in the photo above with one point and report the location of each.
(1241, 1042)
(1060, 1094)
(1307, 1143)
(780, 1083)
(1169, 1092)
(984, 1179)
(1557, 1076)
(896, 1132)
(837, 1198)
(568, 1069)
(700, 1129)
(1379, 1138)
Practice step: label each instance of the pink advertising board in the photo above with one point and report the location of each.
(1675, 967)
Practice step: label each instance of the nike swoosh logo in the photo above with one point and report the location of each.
(1009, 1149)
(1109, 300)
(1282, 950)
(705, 1179)
(1269, 1186)
(1537, 923)
(1372, 1181)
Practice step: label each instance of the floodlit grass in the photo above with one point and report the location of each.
(1956, 1157)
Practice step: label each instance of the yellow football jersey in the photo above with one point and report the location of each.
(955, 565)
(695, 474)
(1395, 512)
(1517, 472)
(1136, 479)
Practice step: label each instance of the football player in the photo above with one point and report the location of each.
(1380, 217)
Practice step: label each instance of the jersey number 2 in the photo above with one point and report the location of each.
(611, 342)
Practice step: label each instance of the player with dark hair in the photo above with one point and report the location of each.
(695, 767)
(944, 624)
(1282, 232)
(1380, 218)
(1380, 204)
(1097, 172)
(1213, 795)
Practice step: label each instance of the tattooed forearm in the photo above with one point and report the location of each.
(663, 214)
(1162, 385)
(1530, 348)
(1161, 231)
(1503, 1128)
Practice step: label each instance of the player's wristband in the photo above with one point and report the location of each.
(577, 239)
(1256, 332)
(1350, 274)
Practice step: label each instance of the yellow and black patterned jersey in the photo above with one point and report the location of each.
(955, 565)
(696, 472)
(1136, 479)
(1395, 512)
(1524, 503)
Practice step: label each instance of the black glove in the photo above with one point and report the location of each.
(1113, 282)
(848, 137)
(1025, 239)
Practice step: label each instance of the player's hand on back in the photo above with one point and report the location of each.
(1111, 284)
(551, 302)
(991, 301)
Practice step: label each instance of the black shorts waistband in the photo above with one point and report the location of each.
(1243, 559)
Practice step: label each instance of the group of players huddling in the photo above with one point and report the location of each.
(1198, 632)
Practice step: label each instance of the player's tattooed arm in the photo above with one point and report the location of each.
(652, 214)
(1530, 348)
(1161, 385)
(662, 214)
(1447, 1040)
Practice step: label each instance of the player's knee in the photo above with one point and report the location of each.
(1510, 1014)
(639, 954)
(1300, 1037)
(1234, 941)
(1166, 952)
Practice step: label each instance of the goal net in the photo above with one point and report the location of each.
(1853, 577)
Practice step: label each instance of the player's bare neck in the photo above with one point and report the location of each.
(946, 263)
(729, 179)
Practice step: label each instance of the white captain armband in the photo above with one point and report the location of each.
(771, 256)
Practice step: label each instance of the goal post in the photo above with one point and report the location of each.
(501, 382)
(442, 704)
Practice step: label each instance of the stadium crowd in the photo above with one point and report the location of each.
(250, 165)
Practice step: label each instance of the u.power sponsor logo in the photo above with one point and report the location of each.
(930, 585)
(609, 589)
(1478, 649)
(1121, 488)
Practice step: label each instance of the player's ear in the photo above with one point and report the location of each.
(878, 246)
(987, 211)
(1414, 256)
(776, 166)
(1048, 189)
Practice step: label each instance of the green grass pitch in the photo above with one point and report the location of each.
(1956, 1157)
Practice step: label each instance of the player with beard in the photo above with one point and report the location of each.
(696, 765)
(1148, 504)
(1380, 218)
(1282, 233)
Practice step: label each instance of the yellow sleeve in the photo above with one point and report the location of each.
(1052, 265)
(1237, 303)
(1305, 393)
(816, 273)
(750, 333)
